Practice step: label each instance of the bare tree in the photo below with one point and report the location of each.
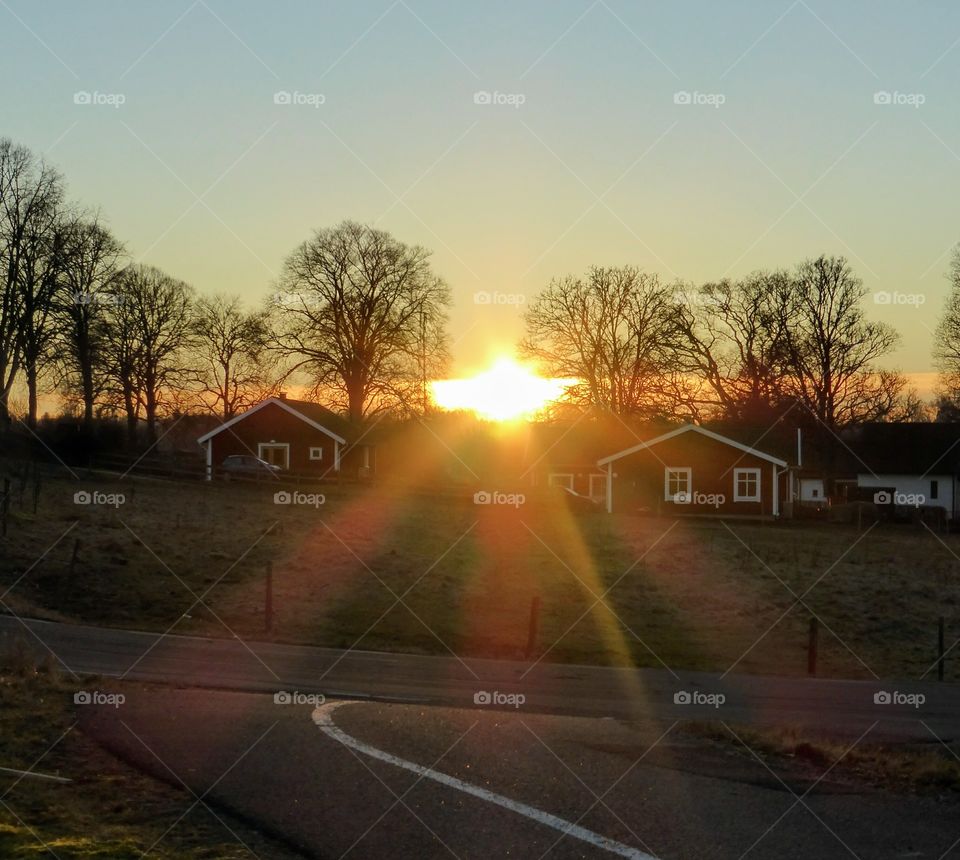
(613, 331)
(90, 275)
(831, 348)
(230, 355)
(31, 194)
(356, 311)
(731, 336)
(121, 357)
(946, 344)
(40, 284)
(148, 335)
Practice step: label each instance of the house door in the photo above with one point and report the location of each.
(598, 487)
(275, 453)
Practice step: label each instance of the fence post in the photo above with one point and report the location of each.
(534, 626)
(940, 626)
(76, 552)
(5, 510)
(812, 647)
(268, 603)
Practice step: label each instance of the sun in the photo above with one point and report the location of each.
(508, 391)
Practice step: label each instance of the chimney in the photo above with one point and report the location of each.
(282, 395)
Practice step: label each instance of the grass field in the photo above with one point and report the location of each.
(614, 590)
(108, 810)
(919, 767)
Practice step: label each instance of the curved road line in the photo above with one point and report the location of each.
(323, 718)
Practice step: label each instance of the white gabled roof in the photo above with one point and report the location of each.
(283, 404)
(685, 429)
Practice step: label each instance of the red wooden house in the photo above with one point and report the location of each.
(565, 454)
(298, 436)
(692, 470)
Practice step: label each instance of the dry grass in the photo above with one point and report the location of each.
(929, 768)
(694, 595)
(109, 809)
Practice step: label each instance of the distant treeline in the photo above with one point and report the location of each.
(360, 320)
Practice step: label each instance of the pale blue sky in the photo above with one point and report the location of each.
(507, 196)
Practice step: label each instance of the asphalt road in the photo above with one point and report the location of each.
(843, 707)
(375, 780)
(404, 756)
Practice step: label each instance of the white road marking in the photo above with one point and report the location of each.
(322, 716)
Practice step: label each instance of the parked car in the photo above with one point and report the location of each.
(247, 466)
(574, 500)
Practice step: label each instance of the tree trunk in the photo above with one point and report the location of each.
(130, 407)
(355, 403)
(32, 396)
(86, 382)
(151, 408)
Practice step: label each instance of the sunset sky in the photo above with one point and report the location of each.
(586, 154)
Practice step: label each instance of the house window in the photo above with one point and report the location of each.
(598, 486)
(560, 479)
(676, 484)
(275, 453)
(934, 489)
(814, 493)
(746, 485)
(316, 453)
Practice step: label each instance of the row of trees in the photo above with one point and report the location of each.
(360, 318)
(742, 349)
(114, 337)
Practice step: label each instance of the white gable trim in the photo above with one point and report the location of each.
(283, 405)
(686, 428)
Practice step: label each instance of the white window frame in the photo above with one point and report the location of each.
(603, 492)
(684, 470)
(284, 445)
(553, 482)
(316, 452)
(757, 476)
